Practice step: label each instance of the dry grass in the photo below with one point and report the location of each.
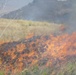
(18, 29)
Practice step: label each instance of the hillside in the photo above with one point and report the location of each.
(53, 11)
(18, 29)
(42, 10)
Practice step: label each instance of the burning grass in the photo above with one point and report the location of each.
(43, 52)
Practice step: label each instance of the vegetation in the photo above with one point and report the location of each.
(1, 72)
(38, 54)
(66, 69)
(18, 29)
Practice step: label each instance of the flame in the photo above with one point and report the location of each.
(20, 47)
(29, 36)
(63, 28)
(28, 53)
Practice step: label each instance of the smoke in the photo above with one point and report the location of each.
(51, 10)
(57, 11)
(72, 19)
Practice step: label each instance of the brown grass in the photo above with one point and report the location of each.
(18, 29)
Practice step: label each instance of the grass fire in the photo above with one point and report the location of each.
(37, 37)
(39, 55)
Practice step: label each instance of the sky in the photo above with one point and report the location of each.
(10, 5)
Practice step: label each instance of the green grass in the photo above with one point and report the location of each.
(1, 72)
(18, 29)
(68, 68)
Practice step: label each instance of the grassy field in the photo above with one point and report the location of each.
(18, 29)
(14, 30)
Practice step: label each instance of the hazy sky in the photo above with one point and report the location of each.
(17, 3)
(13, 4)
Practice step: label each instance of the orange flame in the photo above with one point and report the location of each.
(31, 52)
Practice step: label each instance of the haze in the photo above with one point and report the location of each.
(10, 5)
